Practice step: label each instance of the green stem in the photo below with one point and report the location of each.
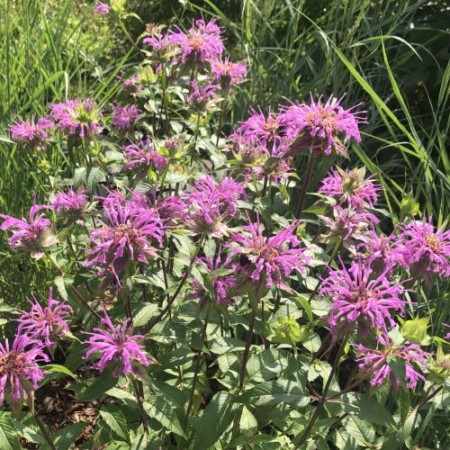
(198, 359)
(248, 341)
(172, 299)
(46, 434)
(323, 397)
(307, 181)
(139, 394)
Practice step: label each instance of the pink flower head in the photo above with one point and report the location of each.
(228, 73)
(202, 96)
(347, 224)
(359, 295)
(211, 205)
(350, 188)
(78, 117)
(70, 202)
(262, 130)
(19, 370)
(124, 118)
(101, 8)
(385, 251)
(375, 362)
(128, 234)
(132, 83)
(30, 133)
(160, 43)
(269, 258)
(221, 284)
(171, 210)
(322, 127)
(117, 348)
(201, 43)
(45, 323)
(428, 249)
(32, 236)
(143, 156)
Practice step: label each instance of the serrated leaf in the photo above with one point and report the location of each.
(159, 409)
(65, 437)
(367, 408)
(94, 389)
(114, 418)
(247, 422)
(144, 315)
(8, 434)
(217, 417)
(274, 393)
(93, 176)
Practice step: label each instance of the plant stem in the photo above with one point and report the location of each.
(46, 434)
(323, 397)
(198, 359)
(158, 318)
(139, 394)
(307, 181)
(248, 341)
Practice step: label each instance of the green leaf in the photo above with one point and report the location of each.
(247, 422)
(367, 408)
(274, 393)
(159, 409)
(8, 434)
(56, 368)
(216, 418)
(95, 389)
(93, 176)
(146, 313)
(306, 306)
(416, 330)
(115, 420)
(65, 437)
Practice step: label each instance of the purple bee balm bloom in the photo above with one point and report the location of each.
(45, 323)
(133, 83)
(385, 251)
(227, 73)
(221, 284)
(124, 118)
(30, 133)
(322, 127)
(171, 210)
(211, 205)
(262, 130)
(350, 188)
(347, 224)
(70, 202)
(32, 236)
(269, 258)
(375, 362)
(78, 117)
(202, 96)
(360, 296)
(143, 156)
(102, 8)
(201, 43)
(117, 348)
(128, 234)
(428, 249)
(160, 43)
(19, 370)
